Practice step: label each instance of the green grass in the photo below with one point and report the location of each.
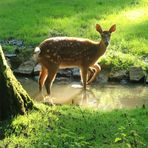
(34, 20)
(74, 127)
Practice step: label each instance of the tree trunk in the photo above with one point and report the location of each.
(13, 98)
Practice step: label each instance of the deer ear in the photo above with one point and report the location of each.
(112, 28)
(98, 28)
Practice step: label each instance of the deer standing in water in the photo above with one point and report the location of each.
(66, 52)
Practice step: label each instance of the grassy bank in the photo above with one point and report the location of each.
(34, 20)
(70, 126)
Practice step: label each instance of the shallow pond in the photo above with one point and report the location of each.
(100, 96)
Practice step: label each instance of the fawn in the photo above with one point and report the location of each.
(65, 52)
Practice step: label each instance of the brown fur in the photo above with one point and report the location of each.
(63, 52)
(70, 52)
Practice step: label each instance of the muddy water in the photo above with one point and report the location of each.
(100, 96)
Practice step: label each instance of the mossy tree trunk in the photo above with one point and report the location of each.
(13, 98)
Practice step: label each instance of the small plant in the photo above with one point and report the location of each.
(129, 137)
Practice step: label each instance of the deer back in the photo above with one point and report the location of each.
(69, 51)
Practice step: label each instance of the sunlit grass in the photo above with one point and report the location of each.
(71, 126)
(34, 20)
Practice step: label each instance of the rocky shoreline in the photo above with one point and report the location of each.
(22, 64)
(135, 74)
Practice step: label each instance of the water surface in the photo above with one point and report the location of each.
(100, 96)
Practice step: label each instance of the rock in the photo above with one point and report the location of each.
(136, 73)
(118, 75)
(36, 78)
(18, 43)
(60, 73)
(124, 81)
(8, 55)
(64, 72)
(37, 69)
(25, 68)
(16, 61)
(103, 76)
(76, 73)
(13, 43)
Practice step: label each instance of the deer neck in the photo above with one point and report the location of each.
(101, 48)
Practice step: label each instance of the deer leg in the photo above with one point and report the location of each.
(90, 73)
(84, 76)
(96, 69)
(51, 76)
(42, 77)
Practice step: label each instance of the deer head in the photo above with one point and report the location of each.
(105, 35)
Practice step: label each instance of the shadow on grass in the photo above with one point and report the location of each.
(92, 128)
(72, 126)
(4, 126)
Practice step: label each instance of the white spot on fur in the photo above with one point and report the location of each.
(36, 53)
(37, 50)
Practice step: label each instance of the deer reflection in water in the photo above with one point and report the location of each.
(99, 96)
(78, 97)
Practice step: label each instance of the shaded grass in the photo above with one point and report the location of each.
(70, 126)
(34, 20)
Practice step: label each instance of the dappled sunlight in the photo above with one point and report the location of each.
(67, 17)
(130, 37)
(107, 113)
(125, 17)
(135, 14)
